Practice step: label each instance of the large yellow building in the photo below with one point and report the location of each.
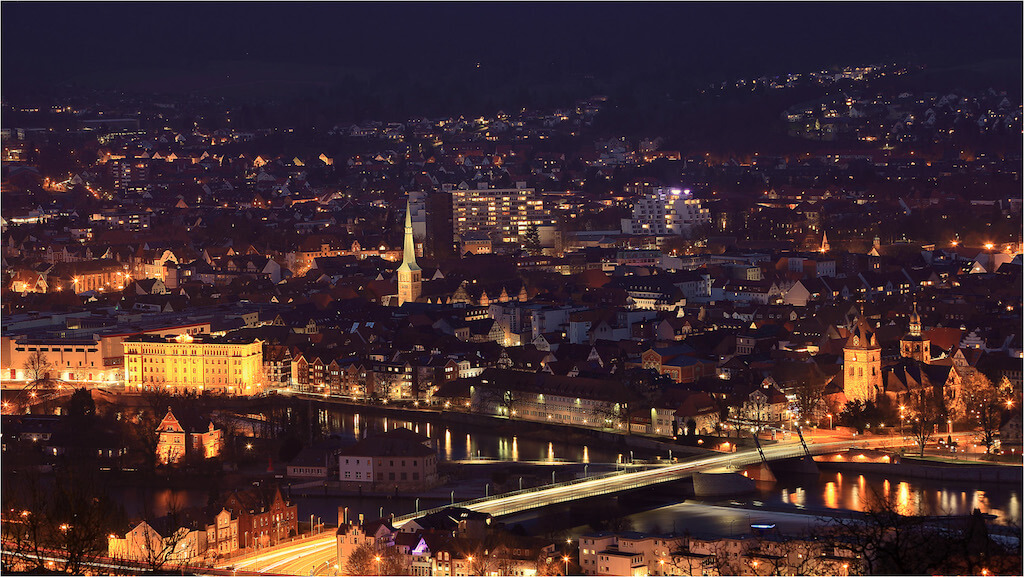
(194, 363)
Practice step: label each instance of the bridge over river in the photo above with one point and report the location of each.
(315, 555)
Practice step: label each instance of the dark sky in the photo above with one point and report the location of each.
(114, 43)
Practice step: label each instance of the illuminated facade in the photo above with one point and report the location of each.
(507, 211)
(666, 212)
(914, 345)
(200, 363)
(410, 282)
(862, 364)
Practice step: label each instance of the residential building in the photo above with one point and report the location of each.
(222, 534)
(397, 459)
(265, 517)
(503, 213)
(667, 211)
(174, 442)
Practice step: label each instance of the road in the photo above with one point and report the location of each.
(317, 555)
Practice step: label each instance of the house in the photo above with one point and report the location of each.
(698, 414)
(399, 458)
(171, 445)
(264, 516)
(143, 543)
(222, 534)
(679, 362)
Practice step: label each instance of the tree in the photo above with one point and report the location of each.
(809, 397)
(38, 366)
(860, 414)
(984, 407)
(160, 553)
(531, 240)
(81, 406)
(925, 415)
(367, 559)
(68, 520)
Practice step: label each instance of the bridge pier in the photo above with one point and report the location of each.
(722, 484)
(799, 465)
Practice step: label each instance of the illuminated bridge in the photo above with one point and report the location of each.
(316, 554)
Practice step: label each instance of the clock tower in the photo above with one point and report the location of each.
(862, 363)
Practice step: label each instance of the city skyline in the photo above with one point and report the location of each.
(511, 288)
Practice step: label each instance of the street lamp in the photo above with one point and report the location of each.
(377, 559)
(565, 559)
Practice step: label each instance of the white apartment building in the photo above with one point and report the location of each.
(667, 211)
(508, 212)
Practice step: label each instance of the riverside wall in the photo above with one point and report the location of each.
(938, 472)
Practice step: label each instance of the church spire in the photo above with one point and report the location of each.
(409, 253)
(824, 243)
(410, 283)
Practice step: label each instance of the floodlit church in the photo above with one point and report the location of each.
(862, 363)
(410, 282)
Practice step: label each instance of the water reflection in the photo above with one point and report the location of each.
(914, 497)
(480, 442)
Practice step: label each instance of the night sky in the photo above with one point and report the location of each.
(198, 46)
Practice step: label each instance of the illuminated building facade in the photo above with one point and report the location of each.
(508, 212)
(667, 211)
(410, 282)
(862, 364)
(199, 363)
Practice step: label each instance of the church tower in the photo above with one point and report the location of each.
(410, 283)
(913, 345)
(824, 243)
(862, 363)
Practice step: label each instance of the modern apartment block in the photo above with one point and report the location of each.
(667, 211)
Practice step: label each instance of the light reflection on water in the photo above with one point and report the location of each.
(478, 442)
(910, 497)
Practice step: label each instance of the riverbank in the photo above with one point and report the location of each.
(907, 467)
(524, 428)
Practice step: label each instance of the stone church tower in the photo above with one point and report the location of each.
(913, 345)
(862, 363)
(410, 284)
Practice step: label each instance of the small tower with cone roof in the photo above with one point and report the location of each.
(410, 282)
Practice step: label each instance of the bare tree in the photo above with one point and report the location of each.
(505, 401)
(367, 559)
(926, 415)
(67, 519)
(38, 366)
(809, 397)
(175, 550)
(984, 407)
